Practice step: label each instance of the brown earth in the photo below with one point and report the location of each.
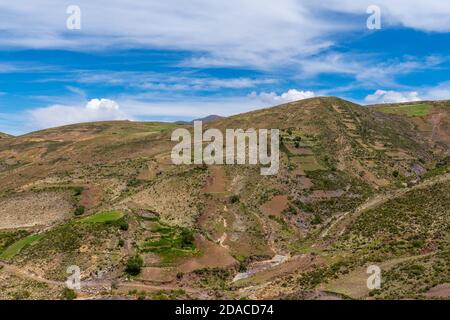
(275, 206)
(216, 180)
(212, 256)
(35, 209)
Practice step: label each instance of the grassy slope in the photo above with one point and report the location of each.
(103, 217)
(16, 247)
(407, 237)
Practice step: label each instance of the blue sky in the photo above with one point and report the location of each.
(179, 60)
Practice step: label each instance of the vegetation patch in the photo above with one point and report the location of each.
(169, 242)
(7, 238)
(16, 247)
(410, 110)
(102, 217)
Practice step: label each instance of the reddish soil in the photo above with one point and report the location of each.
(91, 197)
(157, 274)
(275, 206)
(216, 180)
(213, 256)
(441, 290)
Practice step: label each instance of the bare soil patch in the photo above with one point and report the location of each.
(439, 291)
(216, 180)
(91, 197)
(155, 274)
(213, 256)
(275, 206)
(34, 209)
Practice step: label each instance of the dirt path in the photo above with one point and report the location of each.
(379, 200)
(26, 274)
(224, 236)
(100, 283)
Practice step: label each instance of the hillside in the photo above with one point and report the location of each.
(95, 195)
(4, 136)
(428, 117)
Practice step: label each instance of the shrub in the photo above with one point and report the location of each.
(68, 294)
(77, 191)
(234, 198)
(134, 265)
(133, 182)
(79, 210)
(316, 220)
(187, 238)
(290, 211)
(122, 224)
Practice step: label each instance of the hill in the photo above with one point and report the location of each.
(428, 117)
(4, 136)
(97, 194)
(206, 119)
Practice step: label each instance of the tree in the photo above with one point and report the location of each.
(134, 265)
(187, 238)
(79, 210)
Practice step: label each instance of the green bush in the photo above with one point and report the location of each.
(79, 211)
(77, 191)
(122, 224)
(68, 294)
(290, 211)
(234, 199)
(134, 265)
(187, 238)
(316, 220)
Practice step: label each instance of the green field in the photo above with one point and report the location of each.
(103, 217)
(170, 243)
(16, 247)
(410, 110)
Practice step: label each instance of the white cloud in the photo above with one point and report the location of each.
(367, 73)
(383, 96)
(271, 98)
(439, 92)
(58, 115)
(180, 81)
(103, 105)
(263, 33)
(430, 15)
(234, 32)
